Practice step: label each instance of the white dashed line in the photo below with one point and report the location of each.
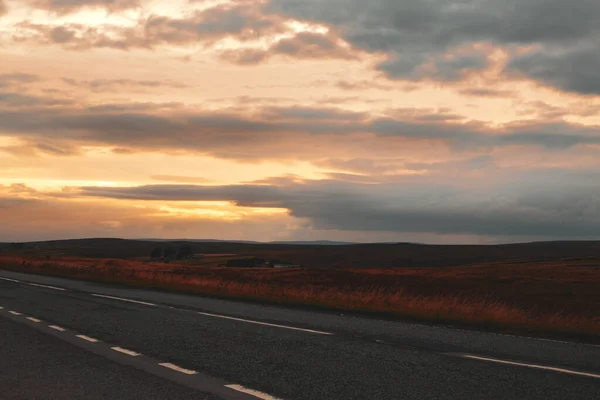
(265, 323)
(57, 328)
(15, 313)
(254, 393)
(122, 299)
(10, 280)
(33, 319)
(125, 351)
(562, 370)
(89, 339)
(178, 369)
(46, 286)
(1, 308)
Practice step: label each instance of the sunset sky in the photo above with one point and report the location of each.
(436, 121)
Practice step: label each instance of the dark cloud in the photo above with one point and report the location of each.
(362, 85)
(421, 38)
(241, 20)
(484, 92)
(8, 99)
(268, 133)
(540, 203)
(8, 80)
(443, 67)
(67, 6)
(573, 70)
(304, 45)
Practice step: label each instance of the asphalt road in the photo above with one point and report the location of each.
(176, 346)
(36, 366)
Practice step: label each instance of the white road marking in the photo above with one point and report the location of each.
(536, 366)
(1, 308)
(15, 313)
(178, 369)
(46, 286)
(89, 339)
(122, 299)
(57, 328)
(265, 323)
(125, 351)
(254, 393)
(10, 280)
(546, 340)
(33, 319)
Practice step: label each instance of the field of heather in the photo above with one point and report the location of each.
(560, 297)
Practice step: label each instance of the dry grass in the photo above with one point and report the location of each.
(551, 297)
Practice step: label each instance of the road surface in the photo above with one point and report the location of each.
(120, 343)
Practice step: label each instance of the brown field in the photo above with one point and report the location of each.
(538, 296)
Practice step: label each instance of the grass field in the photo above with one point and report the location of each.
(560, 296)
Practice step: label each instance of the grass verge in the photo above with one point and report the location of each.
(539, 298)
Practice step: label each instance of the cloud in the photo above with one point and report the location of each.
(110, 85)
(362, 85)
(3, 8)
(68, 6)
(421, 38)
(429, 40)
(241, 21)
(9, 80)
(573, 70)
(269, 133)
(9, 99)
(362, 165)
(539, 203)
(485, 92)
(304, 45)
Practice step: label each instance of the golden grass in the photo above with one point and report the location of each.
(538, 297)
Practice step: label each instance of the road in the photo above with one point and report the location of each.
(169, 346)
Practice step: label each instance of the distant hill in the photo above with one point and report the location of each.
(197, 240)
(318, 254)
(314, 242)
(300, 242)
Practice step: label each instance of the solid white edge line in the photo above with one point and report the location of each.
(57, 328)
(15, 313)
(536, 366)
(178, 369)
(46, 286)
(254, 393)
(89, 339)
(33, 319)
(122, 299)
(10, 280)
(125, 351)
(265, 323)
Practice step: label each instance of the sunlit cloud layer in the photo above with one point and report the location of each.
(434, 121)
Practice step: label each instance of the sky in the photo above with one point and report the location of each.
(434, 121)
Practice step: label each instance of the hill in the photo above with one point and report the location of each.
(375, 255)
